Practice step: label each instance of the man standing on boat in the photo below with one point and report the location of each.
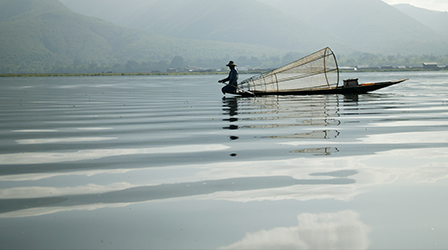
(232, 79)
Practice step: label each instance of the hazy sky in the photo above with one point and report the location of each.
(440, 5)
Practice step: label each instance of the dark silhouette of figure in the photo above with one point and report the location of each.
(232, 79)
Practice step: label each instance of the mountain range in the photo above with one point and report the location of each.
(346, 25)
(42, 35)
(368, 25)
(436, 20)
(39, 35)
(248, 21)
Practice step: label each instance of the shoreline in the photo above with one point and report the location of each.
(107, 74)
(192, 73)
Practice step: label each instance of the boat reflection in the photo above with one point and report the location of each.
(290, 113)
(259, 112)
(317, 134)
(317, 151)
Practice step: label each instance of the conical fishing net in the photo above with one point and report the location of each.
(313, 72)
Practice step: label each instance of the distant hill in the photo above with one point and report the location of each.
(367, 25)
(345, 25)
(117, 11)
(39, 35)
(436, 20)
(248, 21)
(47, 36)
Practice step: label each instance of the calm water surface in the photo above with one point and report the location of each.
(165, 162)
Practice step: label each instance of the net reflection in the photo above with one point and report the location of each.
(297, 110)
(317, 151)
(321, 134)
(289, 118)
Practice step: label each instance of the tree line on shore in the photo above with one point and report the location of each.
(179, 64)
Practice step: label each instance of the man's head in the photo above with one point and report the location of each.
(231, 65)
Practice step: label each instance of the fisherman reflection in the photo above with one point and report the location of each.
(230, 108)
(351, 104)
(351, 98)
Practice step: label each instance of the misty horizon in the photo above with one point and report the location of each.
(207, 33)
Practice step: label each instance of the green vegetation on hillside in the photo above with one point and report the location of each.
(210, 66)
(42, 38)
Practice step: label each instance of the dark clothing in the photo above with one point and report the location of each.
(233, 82)
(229, 89)
(233, 77)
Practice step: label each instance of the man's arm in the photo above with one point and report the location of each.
(224, 80)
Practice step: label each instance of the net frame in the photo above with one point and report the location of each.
(316, 71)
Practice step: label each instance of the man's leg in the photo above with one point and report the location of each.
(228, 89)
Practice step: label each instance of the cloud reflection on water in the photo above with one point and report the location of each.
(299, 179)
(341, 230)
(55, 157)
(126, 193)
(30, 212)
(389, 138)
(39, 192)
(62, 140)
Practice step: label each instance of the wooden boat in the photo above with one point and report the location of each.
(359, 89)
(315, 74)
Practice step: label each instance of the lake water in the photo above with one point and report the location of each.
(165, 162)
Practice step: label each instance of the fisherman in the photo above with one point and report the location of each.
(232, 79)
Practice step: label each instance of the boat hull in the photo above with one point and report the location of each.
(360, 89)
